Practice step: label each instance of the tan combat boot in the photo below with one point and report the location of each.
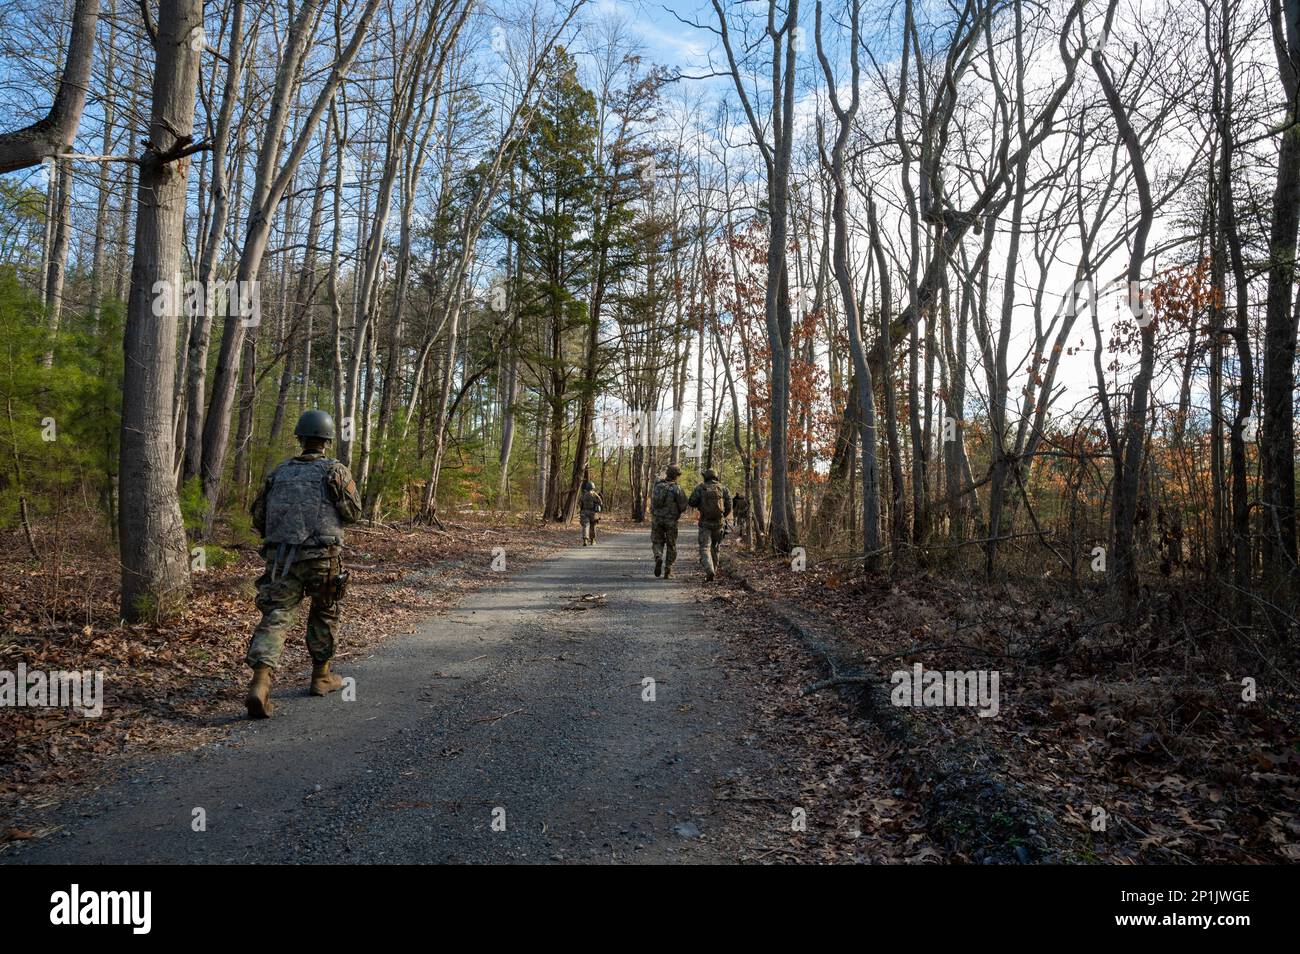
(323, 682)
(258, 700)
(668, 570)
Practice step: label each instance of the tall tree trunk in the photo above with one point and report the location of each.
(155, 566)
(776, 156)
(58, 257)
(871, 548)
(1277, 436)
(1241, 553)
(201, 329)
(98, 253)
(1128, 467)
(896, 521)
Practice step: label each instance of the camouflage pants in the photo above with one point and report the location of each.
(710, 538)
(278, 600)
(588, 521)
(663, 539)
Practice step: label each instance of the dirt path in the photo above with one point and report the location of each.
(514, 701)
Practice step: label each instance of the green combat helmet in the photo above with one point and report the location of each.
(315, 424)
(673, 472)
(710, 474)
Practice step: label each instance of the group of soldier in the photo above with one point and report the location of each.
(667, 504)
(306, 501)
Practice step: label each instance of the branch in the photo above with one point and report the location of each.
(147, 17)
(184, 147)
(52, 135)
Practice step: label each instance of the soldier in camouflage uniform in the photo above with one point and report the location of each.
(740, 513)
(667, 504)
(300, 514)
(589, 504)
(713, 501)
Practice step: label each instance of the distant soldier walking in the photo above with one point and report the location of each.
(740, 513)
(589, 505)
(667, 504)
(300, 514)
(713, 501)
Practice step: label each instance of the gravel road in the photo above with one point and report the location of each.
(523, 705)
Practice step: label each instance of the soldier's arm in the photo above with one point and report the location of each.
(695, 497)
(682, 502)
(347, 500)
(258, 509)
(726, 502)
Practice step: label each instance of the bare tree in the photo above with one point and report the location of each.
(272, 180)
(1277, 437)
(775, 139)
(872, 550)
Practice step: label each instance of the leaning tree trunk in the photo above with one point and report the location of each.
(271, 182)
(53, 133)
(155, 574)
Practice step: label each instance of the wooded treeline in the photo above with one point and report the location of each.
(994, 285)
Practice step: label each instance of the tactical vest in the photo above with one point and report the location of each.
(299, 509)
(590, 501)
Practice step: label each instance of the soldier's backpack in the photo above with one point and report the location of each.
(665, 500)
(711, 504)
(659, 496)
(299, 509)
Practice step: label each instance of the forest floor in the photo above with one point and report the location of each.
(522, 690)
(1119, 738)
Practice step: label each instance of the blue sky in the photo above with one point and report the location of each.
(667, 40)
